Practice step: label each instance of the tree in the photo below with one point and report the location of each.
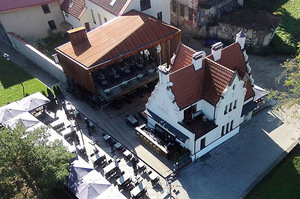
(292, 82)
(30, 165)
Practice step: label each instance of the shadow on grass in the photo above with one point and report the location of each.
(267, 5)
(11, 74)
(283, 181)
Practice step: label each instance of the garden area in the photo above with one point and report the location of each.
(287, 35)
(15, 83)
(283, 181)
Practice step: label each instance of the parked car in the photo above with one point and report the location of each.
(208, 42)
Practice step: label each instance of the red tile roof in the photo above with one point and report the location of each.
(77, 10)
(117, 38)
(116, 9)
(250, 92)
(208, 83)
(9, 5)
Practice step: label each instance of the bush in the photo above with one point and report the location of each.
(183, 151)
(280, 47)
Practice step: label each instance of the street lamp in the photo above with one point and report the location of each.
(169, 179)
(6, 56)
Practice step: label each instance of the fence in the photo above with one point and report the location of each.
(38, 58)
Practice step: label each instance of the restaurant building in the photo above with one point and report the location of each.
(200, 101)
(119, 56)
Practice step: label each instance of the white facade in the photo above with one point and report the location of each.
(225, 116)
(31, 23)
(101, 15)
(76, 23)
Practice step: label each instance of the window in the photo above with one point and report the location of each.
(105, 20)
(87, 26)
(233, 87)
(230, 107)
(46, 9)
(99, 17)
(190, 14)
(227, 127)
(66, 14)
(93, 16)
(202, 146)
(231, 125)
(145, 4)
(182, 10)
(234, 106)
(159, 16)
(225, 111)
(223, 132)
(52, 25)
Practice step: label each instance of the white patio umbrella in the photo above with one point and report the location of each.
(111, 193)
(27, 119)
(78, 169)
(9, 111)
(33, 101)
(90, 186)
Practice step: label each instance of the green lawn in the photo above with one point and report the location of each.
(288, 33)
(10, 78)
(283, 181)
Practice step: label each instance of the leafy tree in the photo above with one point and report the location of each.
(30, 165)
(292, 82)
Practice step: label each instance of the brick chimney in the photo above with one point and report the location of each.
(197, 59)
(77, 36)
(241, 39)
(216, 50)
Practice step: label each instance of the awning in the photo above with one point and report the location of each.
(167, 126)
(259, 92)
(250, 106)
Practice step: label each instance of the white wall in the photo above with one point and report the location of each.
(97, 9)
(38, 58)
(156, 7)
(31, 23)
(72, 20)
(230, 95)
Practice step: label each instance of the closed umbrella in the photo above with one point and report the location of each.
(10, 111)
(33, 101)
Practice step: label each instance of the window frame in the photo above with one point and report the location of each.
(145, 4)
(52, 25)
(159, 16)
(46, 8)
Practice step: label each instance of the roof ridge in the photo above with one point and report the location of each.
(219, 65)
(181, 69)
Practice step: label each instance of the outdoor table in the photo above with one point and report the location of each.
(127, 153)
(153, 176)
(140, 65)
(151, 70)
(68, 132)
(106, 137)
(57, 124)
(116, 76)
(70, 107)
(123, 179)
(104, 82)
(140, 76)
(118, 145)
(127, 71)
(137, 190)
(132, 120)
(110, 168)
(141, 165)
(97, 157)
(76, 113)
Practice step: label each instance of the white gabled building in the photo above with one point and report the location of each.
(201, 100)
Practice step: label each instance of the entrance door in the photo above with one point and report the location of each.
(202, 146)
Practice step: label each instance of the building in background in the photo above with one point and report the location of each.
(31, 19)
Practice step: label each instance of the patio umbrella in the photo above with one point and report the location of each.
(33, 101)
(9, 111)
(79, 168)
(90, 186)
(26, 118)
(111, 193)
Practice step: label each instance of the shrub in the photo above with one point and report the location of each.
(183, 151)
(176, 156)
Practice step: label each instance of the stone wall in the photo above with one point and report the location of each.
(38, 58)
